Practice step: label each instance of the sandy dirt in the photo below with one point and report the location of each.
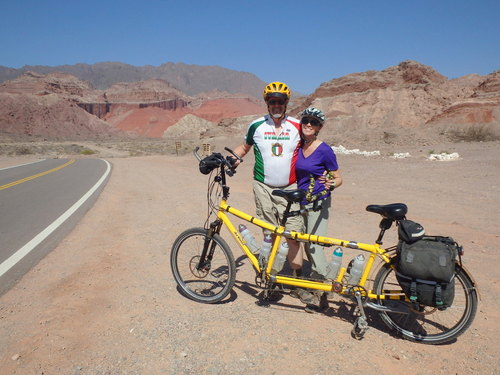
(105, 302)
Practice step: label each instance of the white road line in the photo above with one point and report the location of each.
(20, 165)
(26, 249)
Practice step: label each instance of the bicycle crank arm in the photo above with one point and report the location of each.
(361, 324)
(357, 294)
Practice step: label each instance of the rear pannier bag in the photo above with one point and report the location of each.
(425, 270)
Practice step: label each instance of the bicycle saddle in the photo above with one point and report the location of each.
(291, 195)
(393, 211)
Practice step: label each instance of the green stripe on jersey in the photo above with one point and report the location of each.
(258, 168)
(251, 131)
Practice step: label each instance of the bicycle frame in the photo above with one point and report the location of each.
(280, 232)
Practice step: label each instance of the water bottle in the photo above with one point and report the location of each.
(332, 269)
(249, 238)
(265, 249)
(280, 259)
(357, 267)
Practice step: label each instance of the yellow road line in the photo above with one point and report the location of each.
(36, 175)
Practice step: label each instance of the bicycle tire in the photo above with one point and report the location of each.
(210, 284)
(429, 325)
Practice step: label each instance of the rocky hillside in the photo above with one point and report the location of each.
(406, 103)
(47, 107)
(190, 79)
(146, 108)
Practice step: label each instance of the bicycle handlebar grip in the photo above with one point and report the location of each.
(195, 152)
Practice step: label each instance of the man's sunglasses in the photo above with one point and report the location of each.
(275, 102)
(309, 120)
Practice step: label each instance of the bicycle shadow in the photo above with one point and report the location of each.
(340, 308)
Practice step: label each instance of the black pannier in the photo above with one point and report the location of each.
(425, 270)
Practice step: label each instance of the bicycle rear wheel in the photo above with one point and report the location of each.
(426, 324)
(207, 280)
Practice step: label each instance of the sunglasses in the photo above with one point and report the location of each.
(276, 102)
(309, 120)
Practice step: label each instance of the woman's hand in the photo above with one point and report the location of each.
(331, 179)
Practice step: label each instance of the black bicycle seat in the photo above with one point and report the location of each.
(297, 195)
(393, 211)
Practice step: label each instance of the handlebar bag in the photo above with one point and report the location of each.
(211, 162)
(425, 270)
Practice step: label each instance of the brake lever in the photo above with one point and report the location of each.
(232, 153)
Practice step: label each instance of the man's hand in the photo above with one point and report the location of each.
(241, 151)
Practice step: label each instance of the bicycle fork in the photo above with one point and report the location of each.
(207, 253)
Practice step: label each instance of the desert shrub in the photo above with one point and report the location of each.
(389, 137)
(87, 152)
(474, 133)
(23, 151)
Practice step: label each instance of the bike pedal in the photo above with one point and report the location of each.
(262, 303)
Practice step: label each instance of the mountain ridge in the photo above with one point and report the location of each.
(406, 103)
(189, 78)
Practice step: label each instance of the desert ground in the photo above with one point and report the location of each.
(105, 302)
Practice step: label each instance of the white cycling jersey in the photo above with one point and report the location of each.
(275, 154)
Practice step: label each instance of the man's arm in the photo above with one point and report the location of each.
(241, 151)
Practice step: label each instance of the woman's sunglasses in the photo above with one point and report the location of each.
(309, 120)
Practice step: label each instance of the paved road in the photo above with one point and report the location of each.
(39, 205)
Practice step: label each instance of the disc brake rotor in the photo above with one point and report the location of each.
(193, 266)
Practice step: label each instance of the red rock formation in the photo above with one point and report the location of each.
(368, 106)
(362, 107)
(49, 116)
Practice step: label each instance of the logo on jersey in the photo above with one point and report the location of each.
(285, 135)
(277, 149)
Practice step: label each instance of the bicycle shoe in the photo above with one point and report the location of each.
(305, 296)
(317, 308)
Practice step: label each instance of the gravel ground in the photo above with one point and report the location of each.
(104, 301)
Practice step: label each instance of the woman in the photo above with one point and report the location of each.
(318, 174)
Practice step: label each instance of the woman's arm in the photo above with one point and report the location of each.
(331, 177)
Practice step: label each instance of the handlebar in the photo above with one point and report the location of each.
(216, 160)
(195, 152)
(303, 211)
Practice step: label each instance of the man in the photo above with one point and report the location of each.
(275, 138)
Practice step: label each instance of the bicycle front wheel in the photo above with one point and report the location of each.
(426, 324)
(203, 276)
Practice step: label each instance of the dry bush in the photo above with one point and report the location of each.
(474, 133)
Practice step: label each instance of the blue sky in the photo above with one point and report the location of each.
(297, 42)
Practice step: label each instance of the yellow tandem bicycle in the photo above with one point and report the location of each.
(204, 268)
